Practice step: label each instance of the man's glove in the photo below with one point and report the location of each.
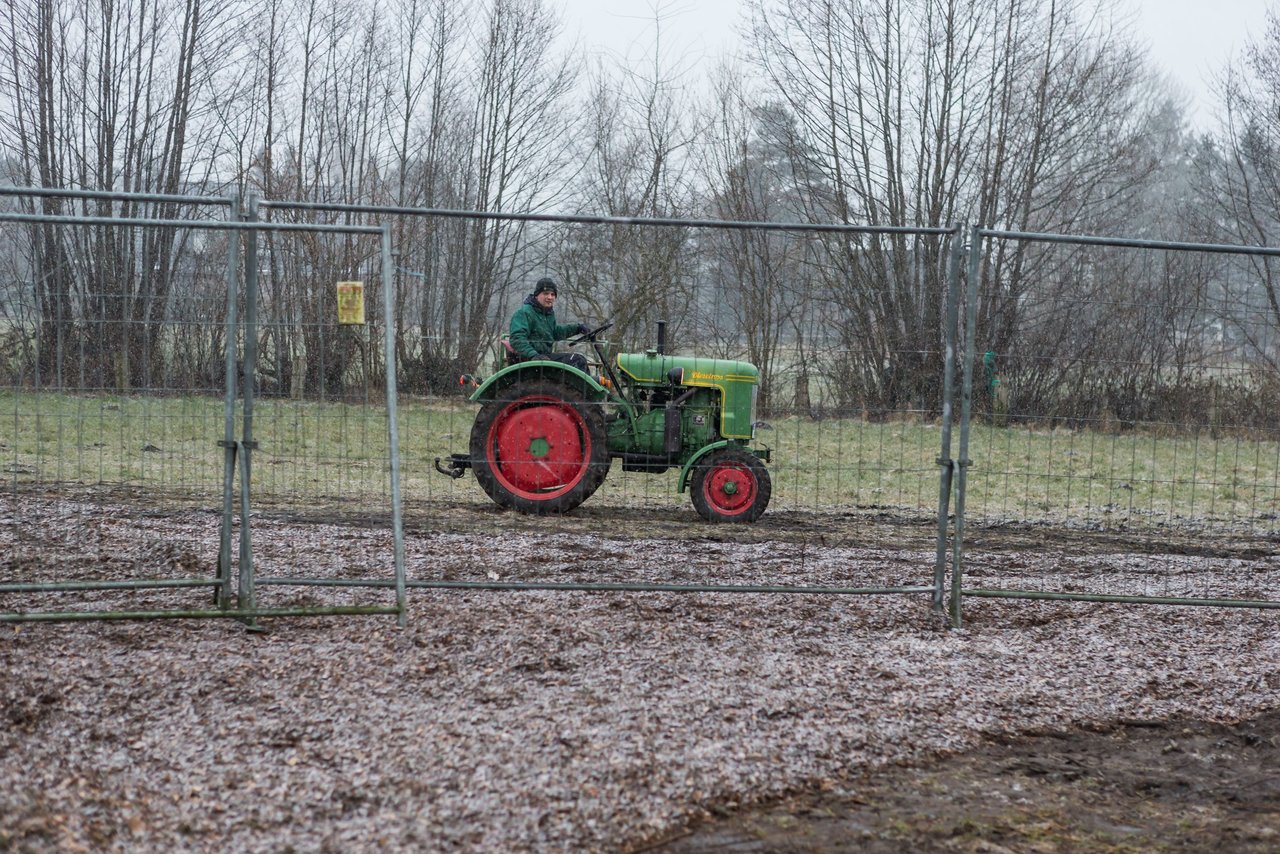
(583, 329)
(543, 356)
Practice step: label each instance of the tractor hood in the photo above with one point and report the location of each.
(736, 382)
(714, 373)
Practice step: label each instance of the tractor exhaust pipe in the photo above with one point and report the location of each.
(662, 337)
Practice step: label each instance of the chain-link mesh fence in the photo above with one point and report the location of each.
(1123, 438)
(1121, 441)
(851, 421)
(131, 430)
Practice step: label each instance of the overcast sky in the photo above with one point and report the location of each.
(1190, 39)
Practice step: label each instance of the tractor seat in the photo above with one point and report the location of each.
(512, 356)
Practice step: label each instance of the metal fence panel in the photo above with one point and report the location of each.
(1123, 441)
(127, 468)
(1117, 436)
(854, 448)
(858, 418)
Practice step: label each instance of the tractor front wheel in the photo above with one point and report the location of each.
(731, 485)
(539, 448)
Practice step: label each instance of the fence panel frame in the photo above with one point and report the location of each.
(958, 591)
(237, 451)
(955, 255)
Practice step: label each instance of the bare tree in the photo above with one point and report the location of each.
(761, 280)
(320, 88)
(921, 113)
(107, 96)
(501, 146)
(1243, 183)
(1122, 334)
(640, 129)
(425, 97)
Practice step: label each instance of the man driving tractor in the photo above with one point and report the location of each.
(534, 331)
(547, 432)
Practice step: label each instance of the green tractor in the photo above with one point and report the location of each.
(547, 433)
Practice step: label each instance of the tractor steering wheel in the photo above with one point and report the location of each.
(589, 336)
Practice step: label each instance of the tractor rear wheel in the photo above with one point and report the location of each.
(731, 485)
(539, 448)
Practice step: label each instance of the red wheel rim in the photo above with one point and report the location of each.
(540, 447)
(730, 488)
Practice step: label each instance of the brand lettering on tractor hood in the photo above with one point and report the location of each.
(701, 376)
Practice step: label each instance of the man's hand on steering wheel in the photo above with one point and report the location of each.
(584, 334)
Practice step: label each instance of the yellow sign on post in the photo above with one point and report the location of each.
(351, 303)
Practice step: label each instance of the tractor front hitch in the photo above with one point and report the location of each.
(457, 465)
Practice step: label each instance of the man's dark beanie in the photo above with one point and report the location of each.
(545, 285)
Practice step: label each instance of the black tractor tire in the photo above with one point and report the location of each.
(731, 485)
(540, 448)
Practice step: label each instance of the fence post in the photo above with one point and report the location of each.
(393, 427)
(945, 465)
(231, 347)
(966, 410)
(247, 593)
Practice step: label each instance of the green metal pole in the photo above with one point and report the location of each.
(945, 467)
(966, 411)
(393, 427)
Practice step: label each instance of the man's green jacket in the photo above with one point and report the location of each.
(534, 330)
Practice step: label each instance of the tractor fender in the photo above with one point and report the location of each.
(542, 370)
(693, 461)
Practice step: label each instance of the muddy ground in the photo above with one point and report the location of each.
(1147, 786)
(1184, 785)
(646, 721)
